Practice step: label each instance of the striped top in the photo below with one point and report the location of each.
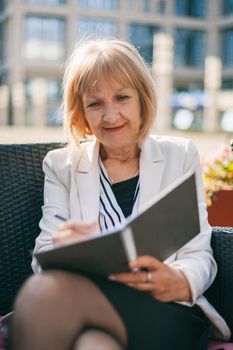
(125, 193)
(117, 201)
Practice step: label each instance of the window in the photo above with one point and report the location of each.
(46, 2)
(2, 79)
(148, 6)
(227, 7)
(142, 36)
(2, 5)
(162, 7)
(2, 49)
(52, 91)
(96, 28)
(131, 5)
(227, 84)
(227, 47)
(189, 47)
(109, 5)
(44, 38)
(192, 8)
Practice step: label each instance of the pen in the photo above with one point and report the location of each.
(60, 217)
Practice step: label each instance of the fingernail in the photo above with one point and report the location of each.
(112, 277)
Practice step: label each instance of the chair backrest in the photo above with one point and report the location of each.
(220, 294)
(21, 197)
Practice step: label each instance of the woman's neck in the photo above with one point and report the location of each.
(121, 164)
(123, 154)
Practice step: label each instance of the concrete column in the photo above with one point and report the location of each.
(19, 103)
(162, 71)
(212, 47)
(170, 7)
(4, 102)
(122, 26)
(71, 26)
(14, 51)
(212, 82)
(39, 103)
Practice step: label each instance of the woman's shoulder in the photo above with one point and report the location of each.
(67, 156)
(173, 143)
(171, 140)
(68, 151)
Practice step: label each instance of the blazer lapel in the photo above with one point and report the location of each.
(151, 171)
(88, 183)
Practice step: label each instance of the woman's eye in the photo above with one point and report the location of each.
(94, 105)
(122, 97)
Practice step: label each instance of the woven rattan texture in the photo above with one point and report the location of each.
(21, 196)
(220, 294)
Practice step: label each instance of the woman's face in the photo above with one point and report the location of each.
(113, 113)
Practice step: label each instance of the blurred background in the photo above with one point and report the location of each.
(188, 45)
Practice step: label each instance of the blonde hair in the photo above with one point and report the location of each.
(94, 61)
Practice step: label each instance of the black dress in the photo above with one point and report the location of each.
(152, 324)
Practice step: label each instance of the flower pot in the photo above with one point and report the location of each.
(220, 213)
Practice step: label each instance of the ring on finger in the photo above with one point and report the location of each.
(149, 277)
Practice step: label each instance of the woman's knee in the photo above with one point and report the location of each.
(94, 339)
(44, 291)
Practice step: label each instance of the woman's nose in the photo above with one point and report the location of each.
(110, 114)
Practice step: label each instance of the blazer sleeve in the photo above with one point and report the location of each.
(195, 259)
(56, 200)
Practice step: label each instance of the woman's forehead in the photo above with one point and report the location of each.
(100, 85)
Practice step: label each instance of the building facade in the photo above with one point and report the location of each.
(37, 35)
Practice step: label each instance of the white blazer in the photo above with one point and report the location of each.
(72, 189)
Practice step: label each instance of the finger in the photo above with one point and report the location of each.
(144, 287)
(76, 225)
(146, 262)
(68, 238)
(130, 277)
(60, 235)
(79, 227)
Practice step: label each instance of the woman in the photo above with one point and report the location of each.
(109, 94)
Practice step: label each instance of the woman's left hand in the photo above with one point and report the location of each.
(165, 283)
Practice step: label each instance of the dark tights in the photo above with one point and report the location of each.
(62, 311)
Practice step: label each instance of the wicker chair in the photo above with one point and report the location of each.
(21, 197)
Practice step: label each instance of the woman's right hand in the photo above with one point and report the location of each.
(73, 231)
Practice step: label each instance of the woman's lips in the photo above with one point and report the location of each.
(114, 128)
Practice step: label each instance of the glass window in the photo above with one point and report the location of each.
(141, 36)
(227, 7)
(227, 47)
(99, 4)
(227, 84)
(162, 7)
(46, 2)
(44, 38)
(189, 47)
(96, 28)
(192, 8)
(147, 5)
(131, 4)
(52, 91)
(2, 43)
(2, 5)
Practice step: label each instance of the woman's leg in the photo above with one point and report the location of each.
(95, 339)
(154, 325)
(55, 307)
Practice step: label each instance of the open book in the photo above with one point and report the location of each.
(161, 228)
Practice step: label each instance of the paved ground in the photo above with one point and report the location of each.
(205, 142)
